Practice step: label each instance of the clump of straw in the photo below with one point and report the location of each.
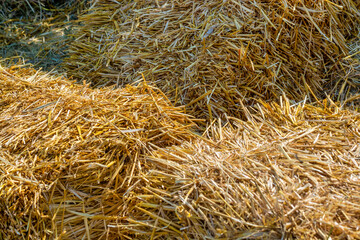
(287, 172)
(78, 163)
(50, 128)
(211, 55)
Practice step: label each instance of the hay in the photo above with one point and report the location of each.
(53, 133)
(347, 88)
(37, 32)
(78, 163)
(288, 172)
(211, 55)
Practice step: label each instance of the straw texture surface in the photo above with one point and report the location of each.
(51, 128)
(78, 163)
(210, 55)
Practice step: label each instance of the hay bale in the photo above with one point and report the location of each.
(53, 133)
(211, 55)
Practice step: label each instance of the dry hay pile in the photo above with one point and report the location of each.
(78, 163)
(65, 143)
(211, 55)
(288, 172)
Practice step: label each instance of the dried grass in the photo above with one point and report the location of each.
(78, 163)
(347, 88)
(50, 128)
(211, 55)
(288, 172)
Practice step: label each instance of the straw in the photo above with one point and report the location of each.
(212, 55)
(37, 32)
(53, 132)
(347, 88)
(81, 163)
(289, 172)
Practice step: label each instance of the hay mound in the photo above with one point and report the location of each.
(50, 128)
(210, 55)
(78, 163)
(288, 172)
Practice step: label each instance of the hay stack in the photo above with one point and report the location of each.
(211, 55)
(78, 163)
(289, 172)
(92, 139)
